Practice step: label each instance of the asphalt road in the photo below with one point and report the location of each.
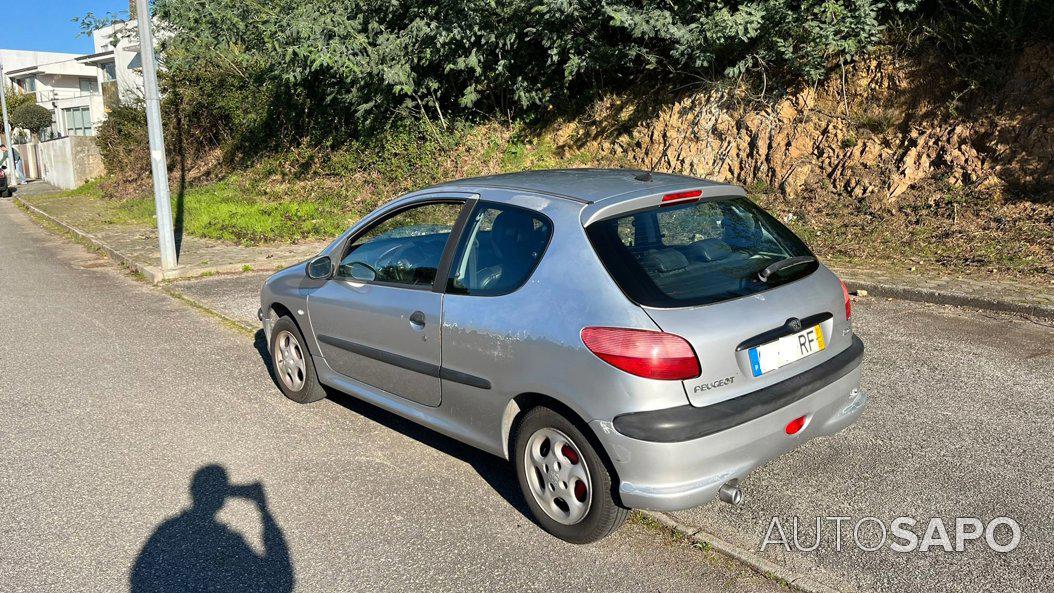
(116, 398)
(115, 395)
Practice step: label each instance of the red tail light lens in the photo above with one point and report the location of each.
(845, 295)
(649, 354)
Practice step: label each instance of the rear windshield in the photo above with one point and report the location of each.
(696, 253)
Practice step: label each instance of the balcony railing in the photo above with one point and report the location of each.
(43, 96)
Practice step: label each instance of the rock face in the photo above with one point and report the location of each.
(891, 126)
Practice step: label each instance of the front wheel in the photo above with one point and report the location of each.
(564, 480)
(293, 368)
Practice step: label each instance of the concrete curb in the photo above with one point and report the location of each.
(151, 273)
(926, 295)
(766, 568)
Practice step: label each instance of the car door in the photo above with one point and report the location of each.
(378, 319)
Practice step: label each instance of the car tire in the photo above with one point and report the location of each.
(549, 478)
(294, 370)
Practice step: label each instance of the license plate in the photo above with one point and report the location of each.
(771, 356)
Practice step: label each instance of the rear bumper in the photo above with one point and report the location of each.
(661, 473)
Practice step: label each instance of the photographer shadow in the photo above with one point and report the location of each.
(195, 552)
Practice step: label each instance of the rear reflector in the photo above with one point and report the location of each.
(682, 196)
(794, 426)
(845, 295)
(649, 354)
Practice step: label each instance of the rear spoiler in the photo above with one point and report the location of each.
(680, 194)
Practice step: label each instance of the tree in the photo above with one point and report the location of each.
(31, 117)
(16, 99)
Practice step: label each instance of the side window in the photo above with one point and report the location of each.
(404, 248)
(501, 247)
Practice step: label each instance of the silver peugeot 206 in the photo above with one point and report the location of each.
(626, 339)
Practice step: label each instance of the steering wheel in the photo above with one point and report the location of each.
(400, 266)
(489, 276)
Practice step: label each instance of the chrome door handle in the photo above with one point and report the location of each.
(417, 320)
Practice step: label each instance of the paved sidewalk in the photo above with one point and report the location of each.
(996, 295)
(136, 247)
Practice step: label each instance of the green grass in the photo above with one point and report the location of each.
(240, 214)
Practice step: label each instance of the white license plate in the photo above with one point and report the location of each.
(771, 356)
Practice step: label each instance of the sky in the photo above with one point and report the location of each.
(47, 25)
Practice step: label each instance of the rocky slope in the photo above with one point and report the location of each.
(891, 152)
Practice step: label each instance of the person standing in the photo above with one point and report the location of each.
(19, 171)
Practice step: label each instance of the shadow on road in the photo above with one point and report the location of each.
(194, 552)
(495, 471)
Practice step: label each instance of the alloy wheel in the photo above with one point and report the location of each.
(290, 362)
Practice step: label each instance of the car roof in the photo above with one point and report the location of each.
(587, 185)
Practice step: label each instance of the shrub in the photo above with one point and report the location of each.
(336, 69)
(122, 141)
(32, 117)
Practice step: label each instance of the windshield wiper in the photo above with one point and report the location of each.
(783, 264)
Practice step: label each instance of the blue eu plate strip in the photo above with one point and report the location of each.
(755, 364)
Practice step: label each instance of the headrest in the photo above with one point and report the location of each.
(665, 261)
(709, 250)
(513, 225)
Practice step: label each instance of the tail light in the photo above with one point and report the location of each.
(845, 295)
(649, 354)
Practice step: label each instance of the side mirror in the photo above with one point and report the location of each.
(320, 268)
(358, 271)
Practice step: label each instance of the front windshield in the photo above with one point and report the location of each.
(696, 253)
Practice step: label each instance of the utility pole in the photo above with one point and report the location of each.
(158, 161)
(12, 172)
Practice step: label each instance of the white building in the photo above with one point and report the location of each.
(69, 89)
(80, 89)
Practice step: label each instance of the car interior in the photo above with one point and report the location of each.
(693, 252)
(505, 245)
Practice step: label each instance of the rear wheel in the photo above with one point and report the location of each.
(564, 480)
(292, 364)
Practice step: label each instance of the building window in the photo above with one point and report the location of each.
(78, 121)
(109, 71)
(88, 86)
(28, 84)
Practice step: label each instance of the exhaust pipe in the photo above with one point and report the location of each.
(730, 492)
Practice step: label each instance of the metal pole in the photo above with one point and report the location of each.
(158, 161)
(12, 170)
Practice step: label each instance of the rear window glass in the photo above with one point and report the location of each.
(697, 253)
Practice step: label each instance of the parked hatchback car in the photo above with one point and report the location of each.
(626, 339)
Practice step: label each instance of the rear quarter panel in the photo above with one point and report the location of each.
(529, 341)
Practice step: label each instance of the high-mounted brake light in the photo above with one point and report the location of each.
(682, 196)
(649, 354)
(845, 295)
